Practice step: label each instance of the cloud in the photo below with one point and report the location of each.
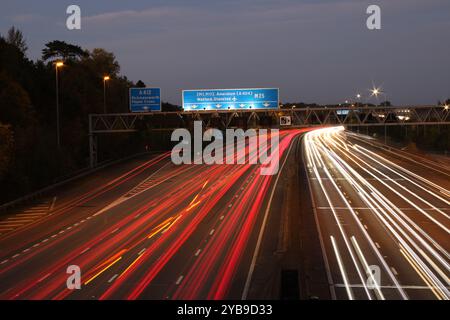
(26, 18)
(133, 15)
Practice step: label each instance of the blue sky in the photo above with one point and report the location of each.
(313, 50)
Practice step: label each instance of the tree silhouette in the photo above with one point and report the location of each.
(140, 84)
(61, 50)
(16, 38)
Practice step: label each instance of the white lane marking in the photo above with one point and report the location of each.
(44, 277)
(221, 218)
(16, 255)
(180, 278)
(113, 277)
(35, 210)
(211, 232)
(198, 252)
(45, 240)
(26, 250)
(411, 287)
(53, 204)
(394, 271)
(31, 214)
(114, 230)
(4, 261)
(141, 252)
(365, 227)
(378, 246)
(20, 219)
(85, 250)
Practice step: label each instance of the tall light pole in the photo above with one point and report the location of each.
(58, 64)
(105, 78)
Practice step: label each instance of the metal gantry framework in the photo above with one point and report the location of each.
(348, 116)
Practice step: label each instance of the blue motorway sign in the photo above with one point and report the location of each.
(229, 99)
(145, 99)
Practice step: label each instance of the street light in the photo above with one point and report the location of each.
(375, 92)
(445, 106)
(58, 64)
(105, 78)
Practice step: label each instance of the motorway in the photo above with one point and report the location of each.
(382, 216)
(374, 224)
(147, 229)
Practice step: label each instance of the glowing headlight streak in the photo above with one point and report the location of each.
(361, 227)
(391, 164)
(379, 195)
(342, 269)
(341, 230)
(378, 292)
(430, 276)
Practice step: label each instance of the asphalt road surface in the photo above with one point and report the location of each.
(344, 217)
(146, 229)
(383, 217)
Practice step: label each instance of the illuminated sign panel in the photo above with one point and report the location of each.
(230, 99)
(145, 99)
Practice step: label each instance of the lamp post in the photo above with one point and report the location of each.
(58, 64)
(358, 98)
(105, 78)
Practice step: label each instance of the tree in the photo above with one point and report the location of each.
(61, 50)
(6, 148)
(103, 62)
(16, 38)
(15, 106)
(140, 84)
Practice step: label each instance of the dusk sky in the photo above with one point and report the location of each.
(313, 50)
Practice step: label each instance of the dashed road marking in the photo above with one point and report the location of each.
(180, 278)
(113, 277)
(85, 250)
(44, 277)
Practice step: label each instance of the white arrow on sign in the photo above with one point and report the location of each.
(218, 105)
(266, 104)
(242, 105)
